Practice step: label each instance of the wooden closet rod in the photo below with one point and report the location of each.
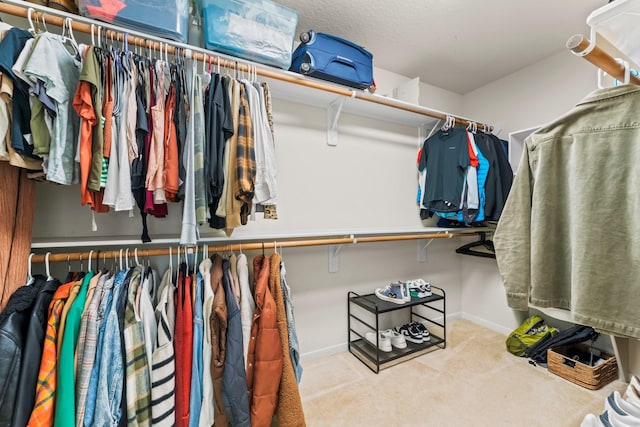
(143, 252)
(598, 57)
(83, 25)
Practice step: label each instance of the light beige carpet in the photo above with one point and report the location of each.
(473, 382)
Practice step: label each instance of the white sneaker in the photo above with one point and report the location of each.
(621, 413)
(632, 394)
(384, 343)
(418, 288)
(591, 420)
(397, 339)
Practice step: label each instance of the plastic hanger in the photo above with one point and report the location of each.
(89, 263)
(44, 24)
(170, 261)
(47, 267)
(30, 279)
(489, 251)
(32, 28)
(135, 255)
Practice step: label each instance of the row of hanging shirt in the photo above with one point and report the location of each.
(135, 130)
(122, 348)
(464, 176)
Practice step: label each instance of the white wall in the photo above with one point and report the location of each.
(367, 181)
(534, 95)
(529, 97)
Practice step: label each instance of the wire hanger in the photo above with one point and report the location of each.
(81, 264)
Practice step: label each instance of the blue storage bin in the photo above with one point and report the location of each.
(257, 30)
(162, 18)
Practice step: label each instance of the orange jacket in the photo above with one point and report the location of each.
(264, 360)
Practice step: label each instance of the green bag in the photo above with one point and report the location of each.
(528, 333)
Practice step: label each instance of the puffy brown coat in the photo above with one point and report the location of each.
(264, 359)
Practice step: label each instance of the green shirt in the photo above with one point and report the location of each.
(65, 392)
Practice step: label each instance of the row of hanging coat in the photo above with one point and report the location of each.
(201, 346)
(464, 176)
(135, 129)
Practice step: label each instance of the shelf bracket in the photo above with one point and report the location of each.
(333, 114)
(422, 131)
(422, 249)
(334, 259)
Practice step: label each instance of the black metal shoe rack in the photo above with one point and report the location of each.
(365, 312)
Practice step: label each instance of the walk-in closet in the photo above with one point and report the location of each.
(203, 227)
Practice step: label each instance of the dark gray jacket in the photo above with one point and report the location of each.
(234, 379)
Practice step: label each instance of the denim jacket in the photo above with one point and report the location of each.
(294, 347)
(111, 375)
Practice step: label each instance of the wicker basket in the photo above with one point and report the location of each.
(592, 377)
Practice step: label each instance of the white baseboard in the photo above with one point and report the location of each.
(324, 352)
(486, 323)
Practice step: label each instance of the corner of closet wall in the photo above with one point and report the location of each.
(529, 97)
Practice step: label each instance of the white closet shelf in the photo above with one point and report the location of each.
(285, 84)
(619, 23)
(356, 102)
(353, 234)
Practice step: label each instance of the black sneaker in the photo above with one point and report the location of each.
(410, 333)
(426, 336)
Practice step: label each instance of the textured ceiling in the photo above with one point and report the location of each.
(458, 45)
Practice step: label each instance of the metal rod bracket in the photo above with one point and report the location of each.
(334, 259)
(422, 249)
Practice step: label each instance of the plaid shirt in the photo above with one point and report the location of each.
(86, 357)
(138, 374)
(42, 414)
(246, 156)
